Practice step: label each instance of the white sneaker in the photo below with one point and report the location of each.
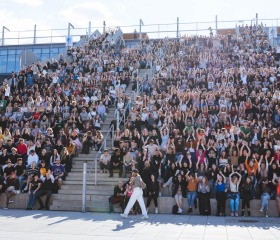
(180, 210)
(11, 201)
(26, 188)
(156, 210)
(123, 215)
(261, 210)
(144, 217)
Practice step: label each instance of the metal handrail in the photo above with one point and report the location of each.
(94, 164)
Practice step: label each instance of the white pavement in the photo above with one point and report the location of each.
(47, 225)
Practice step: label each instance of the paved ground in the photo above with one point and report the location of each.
(46, 225)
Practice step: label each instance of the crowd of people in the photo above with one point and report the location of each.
(50, 112)
(206, 124)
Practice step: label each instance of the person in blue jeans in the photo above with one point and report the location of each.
(34, 190)
(265, 197)
(192, 189)
(234, 197)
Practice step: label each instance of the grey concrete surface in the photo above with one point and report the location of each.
(46, 225)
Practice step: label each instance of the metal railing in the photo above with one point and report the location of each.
(158, 30)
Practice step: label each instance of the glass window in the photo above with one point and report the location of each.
(54, 50)
(11, 51)
(3, 63)
(44, 56)
(3, 52)
(45, 50)
(11, 66)
(37, 51)
(11, 58)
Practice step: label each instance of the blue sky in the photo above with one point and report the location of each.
(49, 14)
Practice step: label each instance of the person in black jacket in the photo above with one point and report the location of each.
(247, 194)
(47, 189)
(179, 190)
(116, 162)
(152, 192)
(118, 196)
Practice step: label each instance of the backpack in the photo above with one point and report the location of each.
(143, 185)
(175, 209)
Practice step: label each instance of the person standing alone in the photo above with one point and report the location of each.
(137, 195)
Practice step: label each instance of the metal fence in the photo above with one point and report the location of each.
(159, 30)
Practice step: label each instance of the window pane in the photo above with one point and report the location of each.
(37, 51)
(45, 50)
(3, 52)
(11, 51)
(3, 62)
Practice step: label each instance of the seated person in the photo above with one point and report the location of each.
(58, 171)
(47, 189)
(104, 161)
(118, 196)
(116, 162)
(33, 169)
(20, 171)
(12, 188)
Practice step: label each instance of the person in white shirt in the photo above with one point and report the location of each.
(104, 161)
(33, 157)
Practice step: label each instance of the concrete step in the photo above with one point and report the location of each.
(91, 182)
(89, 188)
(100, 178)
(100, 192)
(99, 199)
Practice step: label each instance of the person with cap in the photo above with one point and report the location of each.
(12, 185)
(137, 195)
(20, 171)
(14, 156)
(33, 191)
(9, 168)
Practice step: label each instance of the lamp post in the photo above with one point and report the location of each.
(3, 34)
(140, 28)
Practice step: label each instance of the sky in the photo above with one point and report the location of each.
(19, 15)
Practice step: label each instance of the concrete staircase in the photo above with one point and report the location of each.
(69, 198)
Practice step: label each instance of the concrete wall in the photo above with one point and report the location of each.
(165, 205)
(20, 201)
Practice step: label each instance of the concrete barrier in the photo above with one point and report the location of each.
(165, 205)
(20, 201)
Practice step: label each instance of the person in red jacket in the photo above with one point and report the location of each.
(21, 147)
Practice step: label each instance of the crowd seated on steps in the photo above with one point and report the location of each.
(208, 122)
(51, 110)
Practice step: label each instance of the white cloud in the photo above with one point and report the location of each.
(29, 2)
(96, 12)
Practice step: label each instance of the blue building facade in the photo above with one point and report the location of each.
(9, 55)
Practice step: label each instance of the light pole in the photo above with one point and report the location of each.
(140, 28)
(3, 34)
(69, 26)
(69, 39)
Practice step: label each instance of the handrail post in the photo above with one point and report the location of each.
(84, 186)
(34, 38)
(118, 119)
(95, 170)
(105, 144)
(113, 134)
